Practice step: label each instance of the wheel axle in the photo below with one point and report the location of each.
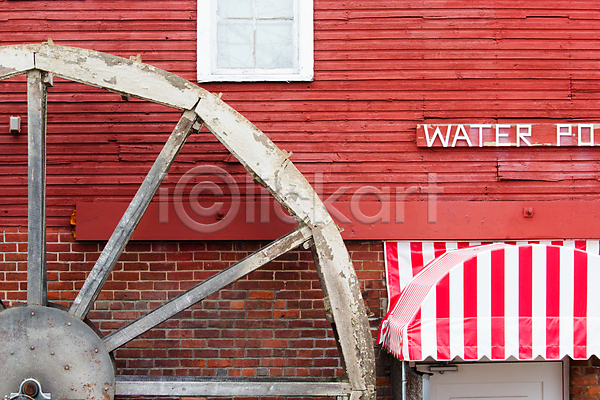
(30, 389)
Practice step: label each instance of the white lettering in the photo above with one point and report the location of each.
(461, 134)
(580, 131)
(437, 133)
(499, 135)
(480, 132)
(523, 132)
(563, 130)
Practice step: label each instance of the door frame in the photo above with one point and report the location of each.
(423, 369)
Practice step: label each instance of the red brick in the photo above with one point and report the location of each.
(263, 333)
(11, 237)
(140, 285)
(219, 363)
(142, 267)
(220, 343)
(584, 381)
(232, 353)
(8, 247)
(126, 276)
(260, 294)
(593, 390)
(80, 247)
(248, 343)
(212, 265)
(206, 353)
(9, 286)
(219, 246)
(112, 285)
(15, 257)
(8, 266)
(247, 362)
(92, 257)
(65, 237)
(163, 286)
(16, 276)
(180, 276)
(129, 257)
(261, 352)
(61, 285)
(153, 276)
(231, 257)
(207, 256)
(260, 275)
(260, 314)
(164, 247)
(194, 363)
(192, 246)
(580, 363)
(152, 256)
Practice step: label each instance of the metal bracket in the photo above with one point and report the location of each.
(30, 389)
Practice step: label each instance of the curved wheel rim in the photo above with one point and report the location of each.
(262, 159)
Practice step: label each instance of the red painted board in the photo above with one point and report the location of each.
(455, 220)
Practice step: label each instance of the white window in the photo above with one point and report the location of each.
(255, 40)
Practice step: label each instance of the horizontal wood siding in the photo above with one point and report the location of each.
(381, 68)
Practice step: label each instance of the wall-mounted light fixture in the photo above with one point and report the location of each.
(443, 368)
(15, 125)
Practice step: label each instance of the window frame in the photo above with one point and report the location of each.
(207, 49)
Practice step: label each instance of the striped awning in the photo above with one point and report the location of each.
(494, 301)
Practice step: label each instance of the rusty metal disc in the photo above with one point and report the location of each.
(59, 351)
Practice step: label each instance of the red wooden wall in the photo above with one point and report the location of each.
(381, 68)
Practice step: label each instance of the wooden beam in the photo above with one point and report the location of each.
(118, 74)
(117, 242)
(344, 302)
(36, 250)
(456, 220)
(16, 60)
(140, 386)
(206, 288)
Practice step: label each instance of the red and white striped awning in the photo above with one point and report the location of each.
(495, 301)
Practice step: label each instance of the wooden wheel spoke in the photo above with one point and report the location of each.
(198, 387)
(132, 216)
(344, 302)
(37, 288)
(206, 288)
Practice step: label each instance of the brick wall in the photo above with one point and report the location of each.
(585, 379)
(270, 323)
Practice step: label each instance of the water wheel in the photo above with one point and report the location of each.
(56, 353)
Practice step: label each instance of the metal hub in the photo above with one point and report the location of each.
(30, 389)
(46, 348)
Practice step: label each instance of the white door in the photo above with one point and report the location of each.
(499, 381)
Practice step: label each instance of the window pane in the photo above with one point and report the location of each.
(234, 8)
(275, 8)
(274, 44)
(234, 44)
